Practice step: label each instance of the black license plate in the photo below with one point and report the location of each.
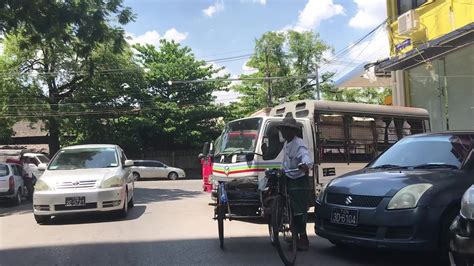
(75, 201)
(344, 216)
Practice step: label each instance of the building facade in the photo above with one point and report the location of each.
(432, 59)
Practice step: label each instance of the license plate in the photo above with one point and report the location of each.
(344, 216)
(75, 201)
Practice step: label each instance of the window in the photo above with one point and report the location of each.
(331, 138)
(272, 142)
(4, 170)
(406, 5)
(157, 164)
(85, 158)
(15, 170)
(361, 138)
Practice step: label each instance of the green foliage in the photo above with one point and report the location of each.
(279, 54)
(50, 48)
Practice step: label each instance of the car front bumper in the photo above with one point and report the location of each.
(97, 200)
(411, 229)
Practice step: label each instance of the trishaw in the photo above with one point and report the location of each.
(270, 204)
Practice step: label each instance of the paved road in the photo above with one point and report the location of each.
(171, 224)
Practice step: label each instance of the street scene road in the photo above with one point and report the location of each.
(170, 225)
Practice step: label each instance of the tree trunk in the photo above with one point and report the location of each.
(53, 140)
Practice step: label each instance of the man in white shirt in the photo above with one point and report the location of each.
(296, 156)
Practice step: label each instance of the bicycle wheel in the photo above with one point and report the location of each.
(283, 231)
(220, 224)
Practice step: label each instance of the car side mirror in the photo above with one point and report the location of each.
(249, 157)
(469, 161)
(128, 163)
(42, 167)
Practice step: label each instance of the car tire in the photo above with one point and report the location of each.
(18, 197)
(42, 219)
(448, 219)
(136, 176)
(124, 211)
(131, 204)
(173, 176)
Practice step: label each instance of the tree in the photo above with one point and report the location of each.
(183, 113)
(288, 55)
(51, 44)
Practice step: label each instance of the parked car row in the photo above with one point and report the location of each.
(406, 199)
(83, 178)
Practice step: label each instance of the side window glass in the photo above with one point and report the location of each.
(272, 142)
(331, 138)
(123, 158)
(16, 171)
(158, 164)
(361, 141)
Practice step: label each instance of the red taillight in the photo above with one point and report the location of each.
(11, 182)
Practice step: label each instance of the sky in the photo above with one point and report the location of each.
(217, 30)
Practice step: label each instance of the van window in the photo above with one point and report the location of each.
(361, 140)
(4, 170)
(331, 138)
(273, 142)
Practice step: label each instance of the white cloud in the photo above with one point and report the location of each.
(262, 2)
(149, 37)
(213, 9)
(173, 34)
(370, 50)
(316, 11)
(369, 14)
(153, 37)
(226, 97)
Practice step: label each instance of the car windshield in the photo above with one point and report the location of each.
(3, 170)
(84, 158)
(426, 152)
(240, 136)
(43, 159)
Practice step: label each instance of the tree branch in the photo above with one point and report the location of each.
(69, 88)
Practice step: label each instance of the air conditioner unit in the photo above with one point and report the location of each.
(408, 23)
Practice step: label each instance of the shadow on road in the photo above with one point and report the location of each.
(149, 195)
(239, 251)
(91, 218)
(7, 208)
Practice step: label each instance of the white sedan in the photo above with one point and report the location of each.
(86, 178)
(155, 169)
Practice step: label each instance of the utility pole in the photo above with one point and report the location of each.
(269, 89)
(318, 88)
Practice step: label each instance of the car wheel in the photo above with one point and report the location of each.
(444, 237)
(18, 196)
(124, 211)
(136, 176)
(172, 176)
(42, 219)
(131, 204)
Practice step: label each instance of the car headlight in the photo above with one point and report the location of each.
(115, 181)
(320, 197)
(467, 204)
(42, 186)
(408, 196)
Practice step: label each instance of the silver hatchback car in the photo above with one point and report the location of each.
(86, 178)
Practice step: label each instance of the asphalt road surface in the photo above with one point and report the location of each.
(170, 225)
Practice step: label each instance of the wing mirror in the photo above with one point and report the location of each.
(42, 167)
(128, 163)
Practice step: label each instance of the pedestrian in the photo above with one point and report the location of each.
(296, 156)
(28, 176)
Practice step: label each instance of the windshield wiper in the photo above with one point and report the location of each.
(388, 166)
(435, 165)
